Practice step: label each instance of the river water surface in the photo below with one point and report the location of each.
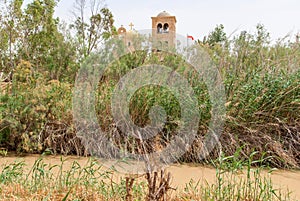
(181, 174)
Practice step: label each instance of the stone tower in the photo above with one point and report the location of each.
(164, 30)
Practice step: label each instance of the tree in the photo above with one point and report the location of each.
(90, 34)
(10, 19)
(216, 36)
(42, 43)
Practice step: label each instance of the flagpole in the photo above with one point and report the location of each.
(187, 40)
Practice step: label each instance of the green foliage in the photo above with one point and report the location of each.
(40, 56)
(51, 52)
(218, 35)
(144, 99)
(261, 81)
(32, 104)
(12, 172)
(90, 33)
(10, 19)
(32, 34)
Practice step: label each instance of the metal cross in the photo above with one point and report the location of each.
(131, 25)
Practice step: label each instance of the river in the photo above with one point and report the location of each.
(181, 173)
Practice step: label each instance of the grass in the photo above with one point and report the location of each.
(56, 182)
(230, 185)
(94, 182)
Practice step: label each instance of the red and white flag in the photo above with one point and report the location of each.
(191, 37)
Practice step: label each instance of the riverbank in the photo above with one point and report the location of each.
(182, 174)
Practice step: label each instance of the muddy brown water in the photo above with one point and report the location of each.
(182, 174)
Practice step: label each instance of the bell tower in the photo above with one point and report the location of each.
(164, 30)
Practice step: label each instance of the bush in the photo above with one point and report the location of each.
(31, 107)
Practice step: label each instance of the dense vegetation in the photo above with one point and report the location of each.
(40, 57)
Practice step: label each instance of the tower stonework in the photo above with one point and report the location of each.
(164, 30)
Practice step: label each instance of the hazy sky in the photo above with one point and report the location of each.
(198, 18)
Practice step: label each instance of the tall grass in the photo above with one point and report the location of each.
(262, 85)
(44, 181)
(235, 180)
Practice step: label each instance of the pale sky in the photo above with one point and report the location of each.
(198, 18)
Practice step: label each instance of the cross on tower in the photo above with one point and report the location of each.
(131, 25)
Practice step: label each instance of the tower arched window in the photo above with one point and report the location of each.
(159, 28)
(166, 28)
